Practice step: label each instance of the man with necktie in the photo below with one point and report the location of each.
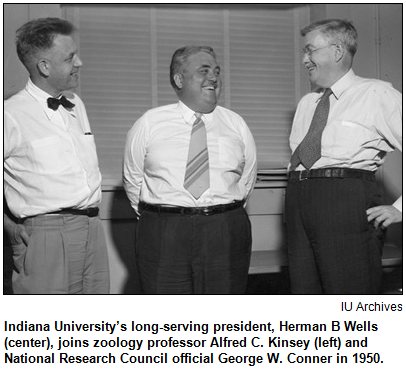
(52, 182)
(341, 133)
(189, 168)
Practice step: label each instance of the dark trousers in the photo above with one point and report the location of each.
(332, 248)
(180, 254)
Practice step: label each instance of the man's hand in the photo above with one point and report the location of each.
(16, 232)
(384, 215)
(20, 235)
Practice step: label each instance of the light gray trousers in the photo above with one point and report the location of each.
(66, 254)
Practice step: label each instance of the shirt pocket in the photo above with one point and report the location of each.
(49, 155)
(231, 154)
(347, 139)
(89, 153)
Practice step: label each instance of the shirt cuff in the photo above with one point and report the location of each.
(398, 204)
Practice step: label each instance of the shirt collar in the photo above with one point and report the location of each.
(41, 97)
(343, 84)
(189, 115)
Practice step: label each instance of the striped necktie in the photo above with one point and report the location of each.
(197, 178)
(309, 150)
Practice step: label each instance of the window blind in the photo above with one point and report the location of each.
(126, 50)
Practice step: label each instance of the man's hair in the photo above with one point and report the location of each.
(38, 35)
(180, 57)
(340, 30)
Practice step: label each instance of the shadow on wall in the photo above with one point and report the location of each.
(120, 230)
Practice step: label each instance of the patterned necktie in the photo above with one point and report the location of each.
(309, 150)
(54, 103)
(197, 178)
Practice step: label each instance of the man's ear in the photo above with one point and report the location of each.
(43, 67)
(339, 52)
(178, 78)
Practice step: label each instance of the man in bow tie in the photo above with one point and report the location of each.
(188, 170)
(341, 133)
(52, 182)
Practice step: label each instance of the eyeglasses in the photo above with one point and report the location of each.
(309, 52)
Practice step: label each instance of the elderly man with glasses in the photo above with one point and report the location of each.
(340, 135)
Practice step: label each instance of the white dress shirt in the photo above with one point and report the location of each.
(157, 149)
(364, 123)
(49, 162)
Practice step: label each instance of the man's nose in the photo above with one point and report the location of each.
(212, 76)
(77, 62)
(306, 58)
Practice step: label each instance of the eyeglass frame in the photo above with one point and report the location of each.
(309, 53)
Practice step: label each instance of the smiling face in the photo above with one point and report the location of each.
(199, 82)
(321, 61)
(61, 65)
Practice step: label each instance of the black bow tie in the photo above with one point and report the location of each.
(54, 103)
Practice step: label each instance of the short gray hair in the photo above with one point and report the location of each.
(38, 35)
(341, 30)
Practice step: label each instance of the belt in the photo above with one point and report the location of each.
(91, 212)
(208, 210)
(332, 172)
